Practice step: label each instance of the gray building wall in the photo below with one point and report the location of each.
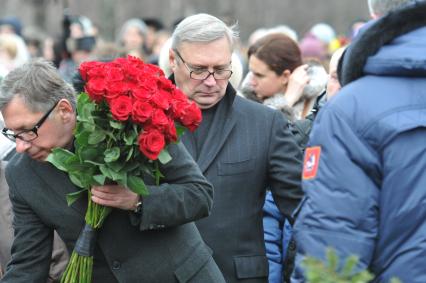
(250, 14)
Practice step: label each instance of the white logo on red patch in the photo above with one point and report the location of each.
(310, 164)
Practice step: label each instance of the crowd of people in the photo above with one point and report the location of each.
(304, 144)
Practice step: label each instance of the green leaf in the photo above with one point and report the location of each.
(72, 197)
(116, 125)
(76, 179)
(94, 162)
(129, 153)
(111, 173)
(117, 166)
(91, 153)
(88, 126)
(60, 158)
(164, 156)
(85, 113)
(82, 99)
(82, 137)
(96, 137)
(179, 129)
(137, 185)
(132, 165)
(130, 137)
(106, 171)
(111, 154)
(332, 259)
(349, 266)
(100, 179)
(124, 180)
(74, 165)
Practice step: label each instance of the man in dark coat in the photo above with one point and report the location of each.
(242, 148)
(158, 243)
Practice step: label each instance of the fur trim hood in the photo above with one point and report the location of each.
(393, 45)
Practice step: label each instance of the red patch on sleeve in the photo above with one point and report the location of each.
(310, 164)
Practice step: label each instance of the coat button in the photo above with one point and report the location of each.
(116, 265)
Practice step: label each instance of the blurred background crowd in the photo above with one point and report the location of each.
(69, 32)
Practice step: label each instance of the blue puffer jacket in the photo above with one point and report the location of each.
(277, 233)
(367, 195)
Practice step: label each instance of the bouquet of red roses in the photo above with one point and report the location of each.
(126, 117)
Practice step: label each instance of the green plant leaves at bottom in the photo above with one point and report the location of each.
(330, 271)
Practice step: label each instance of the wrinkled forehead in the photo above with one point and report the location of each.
(217, 52)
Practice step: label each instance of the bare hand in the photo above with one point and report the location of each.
(115, 196)
(299, 78)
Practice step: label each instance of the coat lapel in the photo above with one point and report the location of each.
(188, 140)
(224, 121)
(218, 134)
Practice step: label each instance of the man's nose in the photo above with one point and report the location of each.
(210, 80)
(22, 146)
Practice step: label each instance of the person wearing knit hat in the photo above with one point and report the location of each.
(10, 24)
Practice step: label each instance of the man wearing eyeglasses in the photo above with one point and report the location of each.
(154, 243)
(241, 147)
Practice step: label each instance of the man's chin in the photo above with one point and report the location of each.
(206, 103)
(39, 156)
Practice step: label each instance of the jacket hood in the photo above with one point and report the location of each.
(393, 45)
(404, 56)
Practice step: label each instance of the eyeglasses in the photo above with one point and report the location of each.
(28, 135)
(203, 74)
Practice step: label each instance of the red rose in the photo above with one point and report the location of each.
(179, 103)
(161, 99)
(171, 134)
(165, 83)
(179, 95)
(114, 74)
(151, 143)
(179, 109)
(159, 119)
(147, 80)
(121, 107)
(192, 117)
(142, 93)
(85, 67)
(141, 112)
(115, 89)
(153, 70)
(95, 88)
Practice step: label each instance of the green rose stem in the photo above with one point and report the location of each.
(80, 266)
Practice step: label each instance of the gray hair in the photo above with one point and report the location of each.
(382, 7)
(203, 28)
(39, 84)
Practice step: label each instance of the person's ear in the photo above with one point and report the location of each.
(65, 110)
(285, 77)
(172, 60)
